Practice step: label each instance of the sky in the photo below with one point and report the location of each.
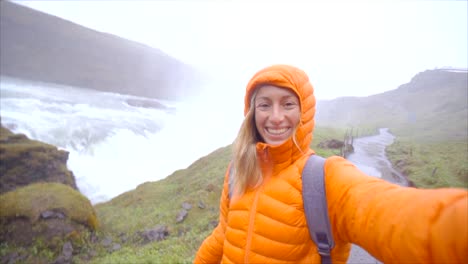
(347, 48)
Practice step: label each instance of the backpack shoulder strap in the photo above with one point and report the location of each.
(315, 206)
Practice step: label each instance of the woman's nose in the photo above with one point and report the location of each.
(277, 114)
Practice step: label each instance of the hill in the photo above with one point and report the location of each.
(40, 47)
(433, 106)
(428, 115)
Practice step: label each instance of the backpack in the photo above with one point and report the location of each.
(315, 206)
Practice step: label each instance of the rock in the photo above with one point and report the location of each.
(181, 216)
(146, 103)
(13, 257)
(52, 214)
(107, 241)
(26, 161)
(213, 224)
(67, 254)
(123, 237)
(158, 233)
(115, 247)
(186, 206)
(201, 205)
(94, 238)
(67, 250)
(331, 144)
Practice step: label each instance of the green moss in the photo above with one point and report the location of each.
(33, 199)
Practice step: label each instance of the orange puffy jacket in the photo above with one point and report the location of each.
(395, 224)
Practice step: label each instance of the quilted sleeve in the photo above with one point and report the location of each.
(397, 224)
(211, 249)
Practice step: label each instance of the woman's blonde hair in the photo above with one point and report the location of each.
(245, 169)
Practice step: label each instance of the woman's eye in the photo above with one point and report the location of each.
(290, 105)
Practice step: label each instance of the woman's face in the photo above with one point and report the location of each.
(277, 113)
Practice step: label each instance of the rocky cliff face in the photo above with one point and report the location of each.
(25, 161)
(40, 47)
(40, 206)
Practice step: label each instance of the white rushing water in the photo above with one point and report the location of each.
(115, 146)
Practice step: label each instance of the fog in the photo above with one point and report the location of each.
(356, 48)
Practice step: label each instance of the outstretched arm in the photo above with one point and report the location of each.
(397, 224)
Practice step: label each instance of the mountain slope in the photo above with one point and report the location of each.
(40, 47)
(432, 106)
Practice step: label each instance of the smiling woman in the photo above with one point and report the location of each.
(277, 113)
(262, 215)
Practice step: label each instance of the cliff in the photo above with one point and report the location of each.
(25, 161)
(40, 47)
(40, 206)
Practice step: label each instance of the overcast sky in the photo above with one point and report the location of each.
(348, 48)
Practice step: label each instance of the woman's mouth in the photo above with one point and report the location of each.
(277, 131)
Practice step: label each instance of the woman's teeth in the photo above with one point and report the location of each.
(277, 131)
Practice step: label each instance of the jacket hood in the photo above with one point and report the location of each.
(292, 78)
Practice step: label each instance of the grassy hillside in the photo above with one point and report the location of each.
(40, 47)
(431, 107)
(158, 203)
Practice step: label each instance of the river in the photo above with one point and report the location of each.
(369, 156)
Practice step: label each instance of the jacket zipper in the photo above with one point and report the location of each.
(253, 211)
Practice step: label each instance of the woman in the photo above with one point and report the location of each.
(263, 220)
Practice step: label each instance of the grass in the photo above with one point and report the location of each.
(431, 164)
(31, 200)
